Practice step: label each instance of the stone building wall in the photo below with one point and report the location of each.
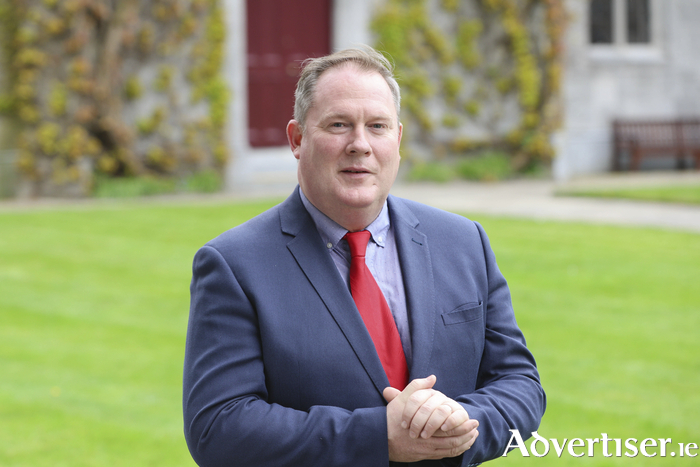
(637, 81)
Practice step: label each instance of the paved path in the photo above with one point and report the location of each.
(535, 199)
(532, 199)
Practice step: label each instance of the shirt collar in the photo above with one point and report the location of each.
(332, 233)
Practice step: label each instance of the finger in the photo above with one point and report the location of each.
(458, 416)
(390, 393)
(460, 430)
(418, 384)
(437, 419)
(425, 411)
(413, 404)
(414, 391)
(440, 448)
(469, 440)
(461, 444)
(474, 435)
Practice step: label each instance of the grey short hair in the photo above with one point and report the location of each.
(367, 58)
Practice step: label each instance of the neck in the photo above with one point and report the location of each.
(351, 219)
(354, 219)
(357, 223)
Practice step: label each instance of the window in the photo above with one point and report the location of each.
(638, 24)
(601, 22)
(620, 21)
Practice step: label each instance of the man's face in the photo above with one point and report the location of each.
(348, 151)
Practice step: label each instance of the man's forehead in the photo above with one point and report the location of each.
(346, 79)
(344, 82)
(348, 68)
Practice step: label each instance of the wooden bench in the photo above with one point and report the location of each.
(669, 138)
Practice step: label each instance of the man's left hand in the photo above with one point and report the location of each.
(426, 412)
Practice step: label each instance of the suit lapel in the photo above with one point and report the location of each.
(307, 248)
(416, 268)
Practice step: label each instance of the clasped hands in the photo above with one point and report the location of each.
(423, 423)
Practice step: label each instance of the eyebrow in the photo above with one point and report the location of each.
(345, 116)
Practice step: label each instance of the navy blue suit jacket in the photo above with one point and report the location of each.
(281, 371)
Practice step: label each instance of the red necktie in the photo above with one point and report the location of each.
(375, 312)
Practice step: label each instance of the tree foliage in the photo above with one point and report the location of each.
(114, 88)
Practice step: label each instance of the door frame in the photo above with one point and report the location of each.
(273, 170)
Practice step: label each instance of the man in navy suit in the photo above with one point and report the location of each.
(280, 368)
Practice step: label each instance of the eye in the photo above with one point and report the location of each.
(337, 125)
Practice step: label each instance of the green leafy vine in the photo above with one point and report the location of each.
(100, 87)
(452, 80)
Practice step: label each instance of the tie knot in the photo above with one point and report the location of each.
(357, 241)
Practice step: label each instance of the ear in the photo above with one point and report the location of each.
(400, 132)
(294, 134)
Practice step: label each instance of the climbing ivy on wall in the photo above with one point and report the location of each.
(117, 88)
(476, 74)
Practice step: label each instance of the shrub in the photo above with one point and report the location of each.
(489, 166)
(206, 181)
(129, 187)
(431, 172)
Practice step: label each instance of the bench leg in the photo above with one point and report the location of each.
(636, 159)
(680, 160)
(617, 166)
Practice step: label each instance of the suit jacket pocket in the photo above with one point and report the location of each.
(463, 314)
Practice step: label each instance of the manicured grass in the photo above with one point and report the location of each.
(94, 303)
(613, 317)
(687, 194)
(93, 306)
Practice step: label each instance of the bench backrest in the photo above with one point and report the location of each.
(668, 133)
(691, 133)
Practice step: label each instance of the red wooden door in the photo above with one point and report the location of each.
(281, 34)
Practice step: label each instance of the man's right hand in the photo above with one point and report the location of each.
(423, 423)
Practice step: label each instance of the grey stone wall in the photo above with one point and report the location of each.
(603, 82)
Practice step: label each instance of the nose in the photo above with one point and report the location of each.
(359, 144)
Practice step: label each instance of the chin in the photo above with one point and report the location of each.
(362, 198)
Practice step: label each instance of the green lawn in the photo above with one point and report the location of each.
(94, 303)
(686, 194)
(613, 317)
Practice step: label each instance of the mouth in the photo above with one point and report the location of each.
(355, 171)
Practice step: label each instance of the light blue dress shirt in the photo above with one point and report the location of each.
(382, 259)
